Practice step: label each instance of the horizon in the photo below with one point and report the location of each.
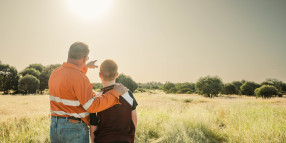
(160, 41)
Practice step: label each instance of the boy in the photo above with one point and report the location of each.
(118, 123)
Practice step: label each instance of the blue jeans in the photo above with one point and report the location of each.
(63, 131)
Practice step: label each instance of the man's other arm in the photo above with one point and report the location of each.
(91, 103)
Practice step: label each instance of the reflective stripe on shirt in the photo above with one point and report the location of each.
(77, 115)
(65, 101)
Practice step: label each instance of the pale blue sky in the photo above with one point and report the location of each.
(162, 40)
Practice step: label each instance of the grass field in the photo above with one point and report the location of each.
(163, 118)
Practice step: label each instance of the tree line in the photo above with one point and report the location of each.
(212, 86)
(33, 79)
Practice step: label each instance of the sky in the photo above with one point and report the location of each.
(151, 40)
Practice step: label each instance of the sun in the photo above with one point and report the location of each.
(89, 9)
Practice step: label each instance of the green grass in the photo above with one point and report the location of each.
(168, 119)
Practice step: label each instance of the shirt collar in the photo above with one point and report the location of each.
(70, 65)
(107, 88)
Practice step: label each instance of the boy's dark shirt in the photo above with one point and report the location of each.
(115, 123)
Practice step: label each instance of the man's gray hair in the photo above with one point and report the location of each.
(78, 50)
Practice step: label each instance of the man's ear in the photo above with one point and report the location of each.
(83, 60)
(116, 75)
(100, 75)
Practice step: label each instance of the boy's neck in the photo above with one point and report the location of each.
(107, 83)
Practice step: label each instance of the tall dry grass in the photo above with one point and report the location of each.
(163, 118)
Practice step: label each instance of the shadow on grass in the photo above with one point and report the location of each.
(211, 136)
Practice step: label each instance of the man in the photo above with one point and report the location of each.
(116, 124)
(72, 97)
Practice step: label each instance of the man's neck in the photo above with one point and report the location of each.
(107, 83)
(75, 62)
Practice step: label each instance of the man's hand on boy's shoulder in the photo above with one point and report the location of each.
(120, 89)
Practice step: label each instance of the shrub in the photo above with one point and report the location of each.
(209, 86)
(127, 81)
(248, 88)
(266, 91)
(28, 84)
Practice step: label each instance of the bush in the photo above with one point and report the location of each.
(28, 84)
(127, 81)
(248, 88)
(230, 89)
(209, 86)
(266, 91)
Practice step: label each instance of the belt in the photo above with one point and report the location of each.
(70, 119)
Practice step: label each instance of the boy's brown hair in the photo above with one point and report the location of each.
(108, 70)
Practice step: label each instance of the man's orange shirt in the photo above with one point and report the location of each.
(71, 94)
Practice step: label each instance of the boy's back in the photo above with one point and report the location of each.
(115, 123)
(118, 123)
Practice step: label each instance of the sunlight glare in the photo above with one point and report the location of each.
(89, 9)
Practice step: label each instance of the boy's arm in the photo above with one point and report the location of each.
(134, 118)
(93, 125)
(92, 130)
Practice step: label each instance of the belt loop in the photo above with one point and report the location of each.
(56, 119)
(66, 119)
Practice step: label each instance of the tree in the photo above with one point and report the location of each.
(8, 78)
(30, 71)
(209, 86)
(38, 67)
(266, 91)
(45, 75)
(248, 88)
(238, 84)
(127, 81)
(169, 87)
(279, 85)
(29, 84)
(150, 85)
(183, 88)
(283, 88)
(230, 88)
(97, 85)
